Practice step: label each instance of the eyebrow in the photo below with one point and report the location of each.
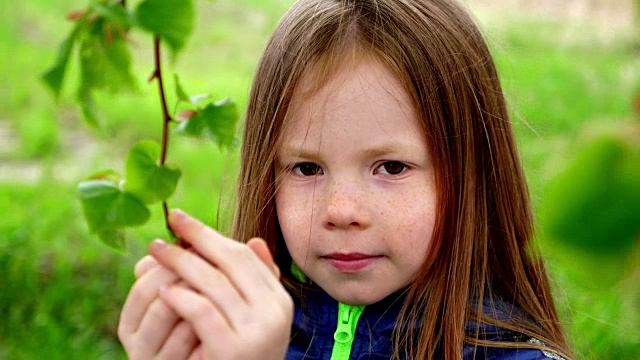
(377, 151)
(387, 148)
(298, 152)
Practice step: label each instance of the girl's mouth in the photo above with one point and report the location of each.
(350, 262)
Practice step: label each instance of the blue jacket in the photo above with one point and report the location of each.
(315, 324)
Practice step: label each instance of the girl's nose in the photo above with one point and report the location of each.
(346, 209)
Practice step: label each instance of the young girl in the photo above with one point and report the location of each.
(384, 199)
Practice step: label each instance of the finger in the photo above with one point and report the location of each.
(204, 317)
(197, 353)
(260, 248)
(203, 278)
(245, 270)
(156, 325)
(265, 334)
(144, 265)
(141, 295)
(180, 344)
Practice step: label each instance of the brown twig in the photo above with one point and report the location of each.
(166, 117)
(165, 110)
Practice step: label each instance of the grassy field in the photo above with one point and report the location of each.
(61, 290)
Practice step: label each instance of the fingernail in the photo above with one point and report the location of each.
(163, 289)
(157, 245)
(176, 214)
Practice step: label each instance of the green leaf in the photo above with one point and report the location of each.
(105, 62)
(593, 204)
(145, 178)
(172, 20)
(107, 209)
(195, 99)
(182, 95)
(54, 76)
(109, 175)
(87, 105)
(114, 238)
(216, 121)
(114, 13)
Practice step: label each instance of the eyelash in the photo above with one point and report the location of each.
(297, 168)
(308, 169)
(384, 165)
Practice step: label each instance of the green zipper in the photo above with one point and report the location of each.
(348, 316)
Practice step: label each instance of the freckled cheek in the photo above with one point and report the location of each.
(413, 245)
(417, 231)
(292, 218)
(419, 220)
(294, 211)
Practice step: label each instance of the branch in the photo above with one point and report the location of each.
(157, 74)
(165, 110)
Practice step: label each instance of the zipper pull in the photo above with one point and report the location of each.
(348, 316)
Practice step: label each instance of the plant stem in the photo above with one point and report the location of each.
(157, 74)
(165, 110)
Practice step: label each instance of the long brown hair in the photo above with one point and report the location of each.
(484, 220)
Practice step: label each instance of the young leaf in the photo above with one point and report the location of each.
(114, 13)
(195, 99)
(182, 95)
(172, 20)
(217, 121)
(87, 105)
(112, 237)
(105, 62)
(185, 115)
(145, 178)
(76, 15)
(109, 175)
(54, 76)
(107, 207)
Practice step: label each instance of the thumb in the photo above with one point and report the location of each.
(260, 248)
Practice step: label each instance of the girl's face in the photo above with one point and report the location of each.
(356, 197)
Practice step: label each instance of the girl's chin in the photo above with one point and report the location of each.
(362, 297)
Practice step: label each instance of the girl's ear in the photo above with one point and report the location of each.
(260, 248)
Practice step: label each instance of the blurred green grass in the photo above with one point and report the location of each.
(61, 290)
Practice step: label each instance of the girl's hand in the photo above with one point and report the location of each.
(230, 301)
(149, 329)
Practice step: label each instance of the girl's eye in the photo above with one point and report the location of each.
(391, 168)
(307, 169)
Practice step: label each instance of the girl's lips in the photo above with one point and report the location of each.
(350, 262)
